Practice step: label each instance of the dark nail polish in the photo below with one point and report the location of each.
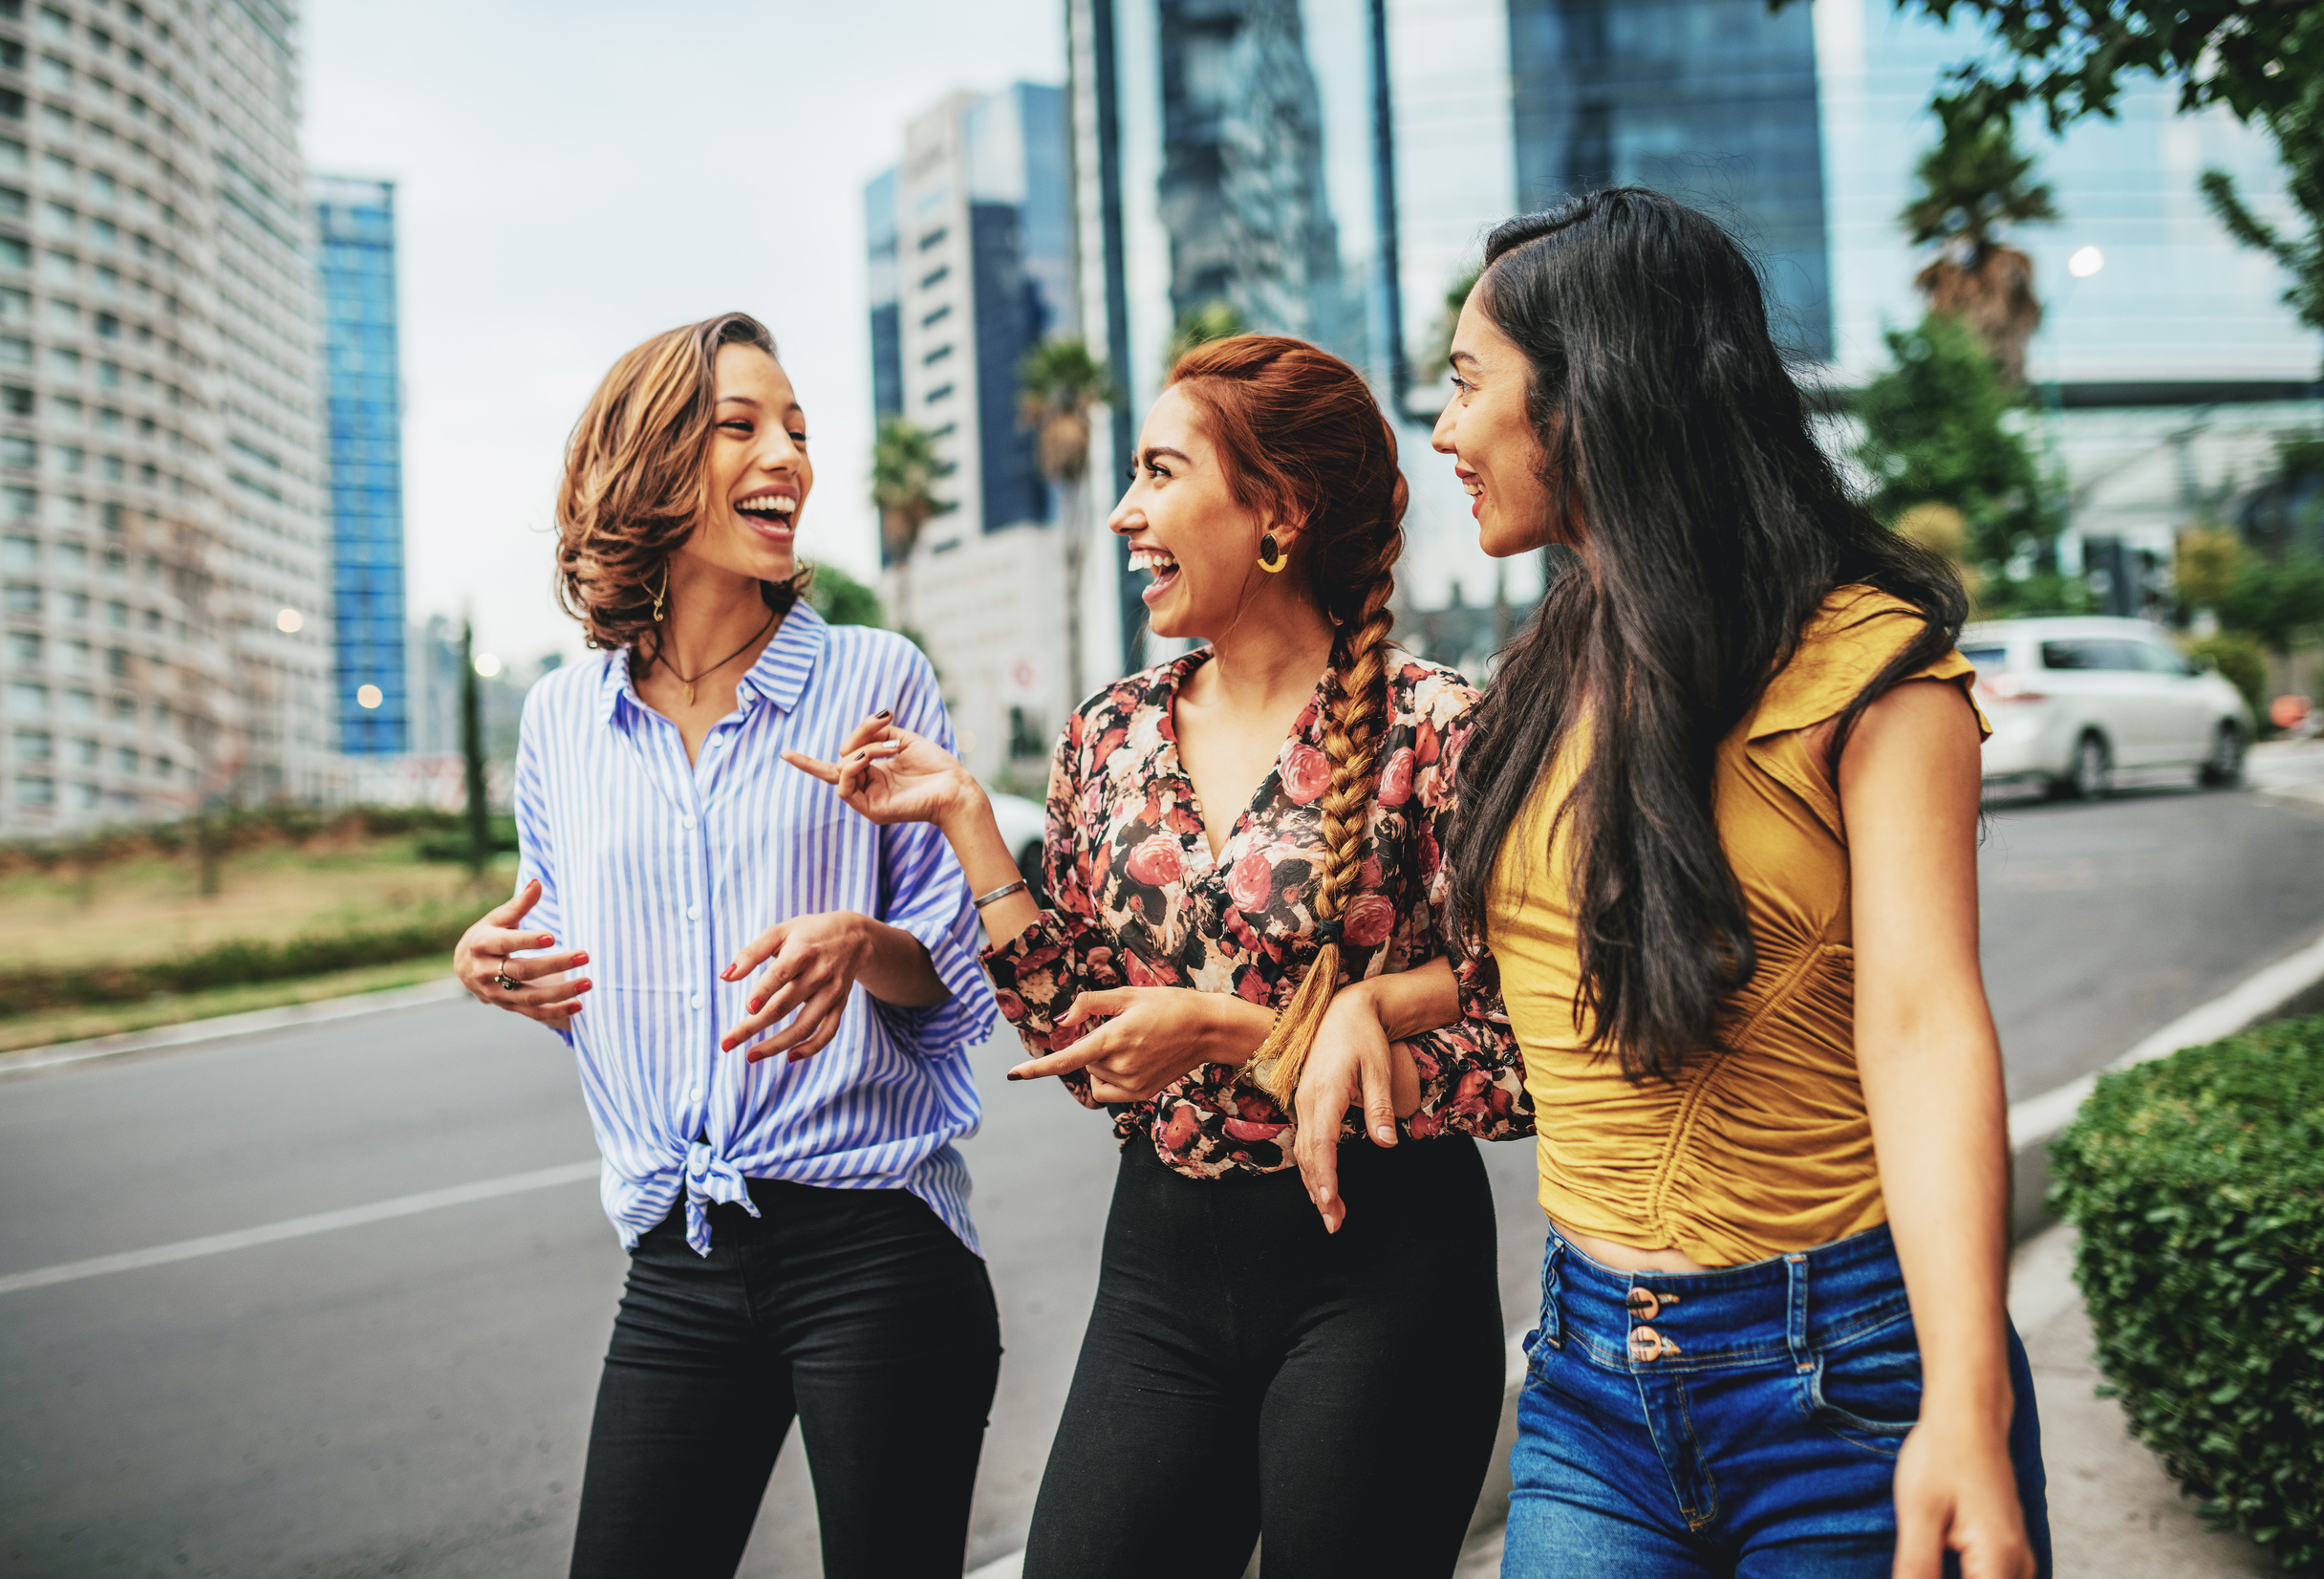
(1013, 1076)
(885, 712)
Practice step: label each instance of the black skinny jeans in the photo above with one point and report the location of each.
(858, 1311)
(1247, 1374)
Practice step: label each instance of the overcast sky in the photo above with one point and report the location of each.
(575, 175)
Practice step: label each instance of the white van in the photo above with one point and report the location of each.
(2072, 699)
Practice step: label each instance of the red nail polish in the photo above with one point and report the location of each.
(580, 959)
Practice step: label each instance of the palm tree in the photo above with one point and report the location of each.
(1057, 384)
(905, 468)
(1974, 181)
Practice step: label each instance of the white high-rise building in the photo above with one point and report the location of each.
(163, 535)
(970, 259)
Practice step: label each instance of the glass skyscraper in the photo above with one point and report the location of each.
(1332, 168)
(355, 224)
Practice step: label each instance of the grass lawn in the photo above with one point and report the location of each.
(151, 907)
(73, 1024)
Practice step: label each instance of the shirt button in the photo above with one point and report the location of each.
(686, 823)
(694, 1094)
(694, 912)
(694, 1000)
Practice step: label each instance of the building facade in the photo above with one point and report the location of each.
(969, 253)
(1399, 131)
(161, 530)
(355, 230)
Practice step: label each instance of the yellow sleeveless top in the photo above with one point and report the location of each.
(1766, 1147)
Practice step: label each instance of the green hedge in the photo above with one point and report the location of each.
(2197, 1182)
(227, 964)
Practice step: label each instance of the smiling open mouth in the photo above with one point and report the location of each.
(773, 510)
(1159, 565)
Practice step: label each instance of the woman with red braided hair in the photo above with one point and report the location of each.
(1245, 915)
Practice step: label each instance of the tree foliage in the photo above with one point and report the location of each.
(1436, 357)
(1974, 181)
(1943, 427)
(905, 468)
(1212, 320)
(842, 600)
(2263, 59)
(1058, 383)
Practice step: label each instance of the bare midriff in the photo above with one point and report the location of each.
(1629, 1258)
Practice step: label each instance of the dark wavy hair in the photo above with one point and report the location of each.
(636, 480)
(1711, 528)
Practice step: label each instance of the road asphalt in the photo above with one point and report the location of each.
(411, 1396)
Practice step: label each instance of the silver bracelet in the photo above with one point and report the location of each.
(999, 894)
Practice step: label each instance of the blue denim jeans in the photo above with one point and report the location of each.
(1744, 1421)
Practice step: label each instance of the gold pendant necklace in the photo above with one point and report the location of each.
(688, 685)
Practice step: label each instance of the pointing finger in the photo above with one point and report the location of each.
(813, 767)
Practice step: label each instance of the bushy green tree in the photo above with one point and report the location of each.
(2263, 59)
(1943, 426)
(2278, 601)
(842, 600)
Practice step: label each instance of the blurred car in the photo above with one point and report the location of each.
(1023, 823)
(2072, 699)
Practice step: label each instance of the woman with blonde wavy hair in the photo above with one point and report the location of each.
(1244, 889)
(797, 1226)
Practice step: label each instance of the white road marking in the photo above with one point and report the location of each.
(298, 1228)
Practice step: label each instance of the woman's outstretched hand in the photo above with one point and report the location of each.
(487, 955)
(1154, 1035)
(889, 774)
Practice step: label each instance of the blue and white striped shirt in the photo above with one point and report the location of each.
(664, 870)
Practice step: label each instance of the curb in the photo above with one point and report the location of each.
(187, 1031)
(2293, 984)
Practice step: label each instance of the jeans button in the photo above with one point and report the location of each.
(1644, 1305)
(1648, 1345)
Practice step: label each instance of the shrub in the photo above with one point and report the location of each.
(2198, 1184)
(2240, 663)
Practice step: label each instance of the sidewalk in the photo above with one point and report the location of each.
(2293, 768)
(2114, 1514)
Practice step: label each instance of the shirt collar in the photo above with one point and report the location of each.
(779, 676)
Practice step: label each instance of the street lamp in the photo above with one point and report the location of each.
(368, 696)
(488, 665)
(289, 620)
(2085, 262)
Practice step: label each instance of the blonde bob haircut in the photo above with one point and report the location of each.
(636, 480)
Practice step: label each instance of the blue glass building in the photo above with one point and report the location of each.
(355, 224)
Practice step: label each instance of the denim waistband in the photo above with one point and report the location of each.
(1783, 1309)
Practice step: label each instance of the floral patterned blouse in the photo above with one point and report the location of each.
(1137, 900)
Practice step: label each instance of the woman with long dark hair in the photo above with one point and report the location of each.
(779, 1153)
(1243, 886)
(1718, 830)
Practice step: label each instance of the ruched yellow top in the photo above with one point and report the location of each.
(1765, 1147)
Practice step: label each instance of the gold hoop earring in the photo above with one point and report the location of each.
(664, 594)
(1271, 557)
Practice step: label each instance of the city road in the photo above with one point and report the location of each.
(411, 1396)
